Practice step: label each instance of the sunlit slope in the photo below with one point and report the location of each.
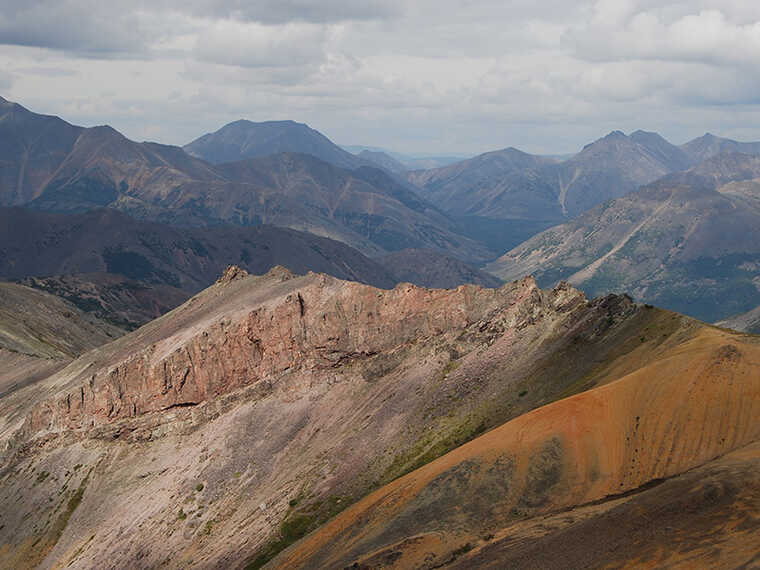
(691, 404)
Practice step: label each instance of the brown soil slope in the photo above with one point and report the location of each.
(705, 518)
(684, 408)
(228, 428)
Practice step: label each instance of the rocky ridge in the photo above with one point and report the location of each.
(281, 379)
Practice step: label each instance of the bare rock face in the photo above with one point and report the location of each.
(229, 427)
(323, 324)
(232, 273)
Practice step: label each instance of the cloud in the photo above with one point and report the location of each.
(6, 81)
(424, 76)
(285, 11)
(625, 30)
(250, 44)
(84, 26)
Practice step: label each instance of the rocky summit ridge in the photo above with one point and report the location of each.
(221, 432)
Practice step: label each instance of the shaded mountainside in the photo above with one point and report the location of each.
(747, 322)
(655, 467)
(365, 207)
(53, 166)
(431, 269)
(225, 430)
(41, 244)
(383, 160)
(245, 139)
(41, 333)
(513, 185)
(128, 271)
(708, 146)
(688, 242)
(35, 323)
(127, 303)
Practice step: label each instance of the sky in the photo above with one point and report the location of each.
(425, 77)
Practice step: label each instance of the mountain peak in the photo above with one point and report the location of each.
(232, 273)
(244, 139)
(616, 134)
(254, 124)
(640, 133)
(611, 137)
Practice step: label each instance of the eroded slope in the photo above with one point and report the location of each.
(229, 427)
(685, 407)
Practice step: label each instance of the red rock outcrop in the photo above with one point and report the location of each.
(315, 322)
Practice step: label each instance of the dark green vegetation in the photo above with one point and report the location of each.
(297, 524)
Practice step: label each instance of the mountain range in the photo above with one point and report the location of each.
(48, 164)
(304, 421)
(285, 174)
(687, 242)
(504, 197)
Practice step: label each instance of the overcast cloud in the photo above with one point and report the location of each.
(428, 76)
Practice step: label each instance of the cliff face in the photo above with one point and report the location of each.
(316, 323)
(228, 428)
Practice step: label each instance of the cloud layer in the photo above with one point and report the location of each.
(426, 77)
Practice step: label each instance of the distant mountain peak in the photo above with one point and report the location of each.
(249, 123)
(243, 139)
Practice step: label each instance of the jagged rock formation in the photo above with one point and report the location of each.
(226, 429)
